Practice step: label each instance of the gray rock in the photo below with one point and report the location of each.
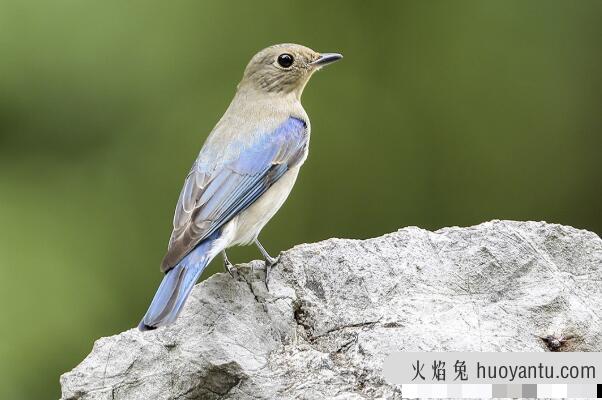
(337, 308)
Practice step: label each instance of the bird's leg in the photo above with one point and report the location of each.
(229, 267)
(269, 261)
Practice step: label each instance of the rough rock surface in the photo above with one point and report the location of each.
(337, 308)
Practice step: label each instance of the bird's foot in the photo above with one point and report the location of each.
(269, 263)
(231, 269)
(271, 260)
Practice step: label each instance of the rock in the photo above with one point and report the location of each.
(337, 308)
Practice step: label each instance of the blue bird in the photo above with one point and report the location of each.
(243, 174)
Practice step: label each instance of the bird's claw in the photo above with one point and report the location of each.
(231, 269)
(271, 260)
(269, 263)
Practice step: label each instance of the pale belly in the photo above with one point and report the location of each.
(245, 228)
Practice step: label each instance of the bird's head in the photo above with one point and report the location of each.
(284, 68)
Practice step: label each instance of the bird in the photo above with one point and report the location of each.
(244, 172)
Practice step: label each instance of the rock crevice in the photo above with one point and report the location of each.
(335, 309)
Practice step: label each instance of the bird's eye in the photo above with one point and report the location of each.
(285, 60)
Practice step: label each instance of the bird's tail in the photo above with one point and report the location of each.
(176, 286)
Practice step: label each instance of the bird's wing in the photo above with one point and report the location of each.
(212, 196)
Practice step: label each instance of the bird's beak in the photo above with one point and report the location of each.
(325, 59)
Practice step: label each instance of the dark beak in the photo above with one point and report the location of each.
(326, 58)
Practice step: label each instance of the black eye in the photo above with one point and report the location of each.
(285, 60)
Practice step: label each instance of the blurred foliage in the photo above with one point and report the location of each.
(442, 113)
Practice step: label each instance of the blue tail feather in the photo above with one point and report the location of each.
(176, 286)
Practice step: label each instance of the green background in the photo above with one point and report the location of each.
(442, 113)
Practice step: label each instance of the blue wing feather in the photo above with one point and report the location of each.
(213, 196)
